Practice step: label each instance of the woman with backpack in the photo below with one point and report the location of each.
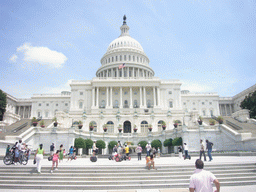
(39, 157)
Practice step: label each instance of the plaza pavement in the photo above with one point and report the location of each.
(85, 161)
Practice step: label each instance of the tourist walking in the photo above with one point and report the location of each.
(71, 152)
(202, 180)
(55, 160)
(39, 157)
(8, 150)
(126, 150)
(186, 152)
(158, 152)
(209, 149)
(180, 151)
(202, 150)
(52, 147)
(148, 148)
(61, 155)
(138, 151)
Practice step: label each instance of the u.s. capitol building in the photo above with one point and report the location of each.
(125, 94)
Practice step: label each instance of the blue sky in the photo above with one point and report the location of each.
(209, 45)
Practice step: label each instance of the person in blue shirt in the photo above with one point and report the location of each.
(71, 152)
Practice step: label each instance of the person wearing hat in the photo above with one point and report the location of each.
(39, 157)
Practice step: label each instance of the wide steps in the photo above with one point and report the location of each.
(119, 177)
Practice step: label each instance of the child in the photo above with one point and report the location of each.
(55, 159)
(150, 161)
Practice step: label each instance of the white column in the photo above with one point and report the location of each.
(97, 97)
(154, 96)
(112, 75)
(130, 97)
(225, 109)
(19, 111)
(121, 97)
(144, 95)
(107, 96)
(93, 97)
(111, 97)
(158, 96)
(230, 109)
(140, 98)
(133, 72)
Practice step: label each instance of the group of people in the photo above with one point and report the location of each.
(18, 150)
(56, 156)
(202, 150)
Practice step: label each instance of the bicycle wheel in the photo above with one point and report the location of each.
(24, 160)
(7, 160)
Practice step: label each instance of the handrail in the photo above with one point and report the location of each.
(237, 127)
(20, 127)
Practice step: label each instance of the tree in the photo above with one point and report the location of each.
(156, 143)
(2, 104)
(177, 141)
(89, 143)
(112, 144)
(168, 142)
(80, 143)
(100, 144)
(249, 103)
(143, 144)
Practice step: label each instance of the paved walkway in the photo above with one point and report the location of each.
(219, 160)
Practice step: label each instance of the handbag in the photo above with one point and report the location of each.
(50, 158)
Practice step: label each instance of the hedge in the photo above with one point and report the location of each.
(89, 143)
(112, 144)
(168, 142)
(156, 143)
(177, 141)
(100, 144)
(80, 143)
(143, 144)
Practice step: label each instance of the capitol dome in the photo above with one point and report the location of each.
(128, 52)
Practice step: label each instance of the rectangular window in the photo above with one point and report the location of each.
(124, 57)
(170, 104)
(57, 105)
(39, 104)
(81, 93)
(66, 104)
(210, 103)
(46, 114)
(47, 104)
(80, 105)
(202, 103)
(120, 57)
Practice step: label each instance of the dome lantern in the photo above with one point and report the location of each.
(124, 28)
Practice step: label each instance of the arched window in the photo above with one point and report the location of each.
(109, 60)
(144, 127)
(135, 104)
(159, 125)
(148, 103)
(110, 126)
(126, 104)
(103, 103)
(116, 105)
(81, 104)
(112, 59)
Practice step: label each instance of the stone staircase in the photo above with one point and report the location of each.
(106, 177)
(246, 127)
(19, 127)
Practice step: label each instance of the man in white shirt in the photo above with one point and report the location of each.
(202, 180)
(186, 152)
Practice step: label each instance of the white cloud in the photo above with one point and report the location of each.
(13, 58)
(41, 55)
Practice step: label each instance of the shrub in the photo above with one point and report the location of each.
(89, 143)
(212, 121)
(156, 143)
(100, 144)
(112, 144)
(143, 144)
(177, 141)
(34, 120)
(80, 143)
(168, 142)
(220, 119)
